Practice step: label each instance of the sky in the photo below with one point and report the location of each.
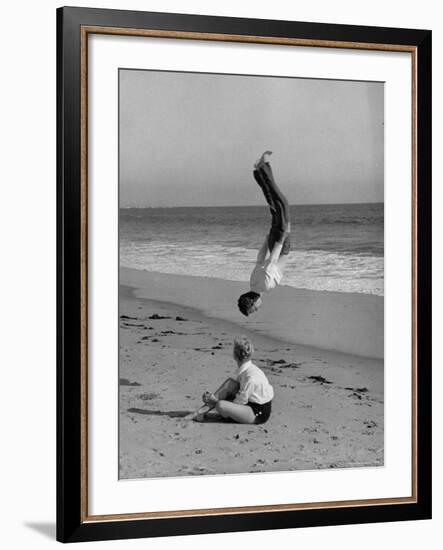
(191, 139)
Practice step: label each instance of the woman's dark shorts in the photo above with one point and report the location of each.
(262, 412)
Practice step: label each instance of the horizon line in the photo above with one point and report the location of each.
(147, 207)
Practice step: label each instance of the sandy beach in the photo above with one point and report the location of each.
(328, 405)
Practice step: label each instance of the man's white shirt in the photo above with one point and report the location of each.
(265, 277)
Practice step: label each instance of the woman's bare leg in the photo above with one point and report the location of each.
(243, 414)
(229, 388)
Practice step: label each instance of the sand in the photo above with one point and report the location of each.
(328, 405)
(347, 322)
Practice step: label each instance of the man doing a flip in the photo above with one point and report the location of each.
(273, 255)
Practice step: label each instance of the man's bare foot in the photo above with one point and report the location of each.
(264, 158)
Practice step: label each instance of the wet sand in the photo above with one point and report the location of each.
(341, 321)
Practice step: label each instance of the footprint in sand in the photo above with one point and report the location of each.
(370, 426)
(357, 392)
(370, 423)
(310, 430)
(148, 396)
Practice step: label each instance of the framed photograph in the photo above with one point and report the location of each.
(244, 274)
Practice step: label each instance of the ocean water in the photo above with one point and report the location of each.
(334, 247)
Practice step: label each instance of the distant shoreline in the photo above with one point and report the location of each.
(258, 205)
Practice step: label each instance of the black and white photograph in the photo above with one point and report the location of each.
(217, 294)
(251, 274)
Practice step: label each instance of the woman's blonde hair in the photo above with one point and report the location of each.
(243, 348)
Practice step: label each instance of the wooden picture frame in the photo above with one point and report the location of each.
(74, 523)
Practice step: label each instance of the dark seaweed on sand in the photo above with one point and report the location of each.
(126, 382)
(319, 379)
(358, 390)
(157, 316)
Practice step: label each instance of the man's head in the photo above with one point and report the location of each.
(249, 302)
(243, 349)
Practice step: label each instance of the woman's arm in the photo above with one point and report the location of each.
(243, 394)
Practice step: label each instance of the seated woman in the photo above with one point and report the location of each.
(245, 399)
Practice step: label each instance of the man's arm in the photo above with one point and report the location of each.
(275, 254)
(261, 256)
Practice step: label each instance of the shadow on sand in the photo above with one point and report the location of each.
(181, 414)
(171, 414)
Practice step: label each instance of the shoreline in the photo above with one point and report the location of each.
(347, 323)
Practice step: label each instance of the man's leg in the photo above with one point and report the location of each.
(280, 229)
(265, 189)
(279, 201)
